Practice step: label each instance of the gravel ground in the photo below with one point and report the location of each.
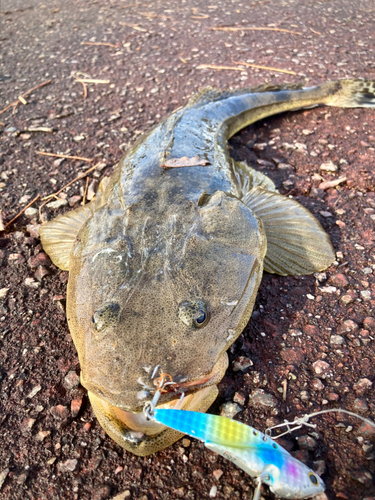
(310, 343)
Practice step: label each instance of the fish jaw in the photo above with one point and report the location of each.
(134, 433)
(141, 436)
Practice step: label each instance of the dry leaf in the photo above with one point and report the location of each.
(1, 221)
(185, 161)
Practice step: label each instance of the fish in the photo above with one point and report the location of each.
(166, 261)
(251, 450)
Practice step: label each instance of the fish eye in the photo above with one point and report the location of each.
(194, 314)
(313, 479)
(202, 318)
(105, 316)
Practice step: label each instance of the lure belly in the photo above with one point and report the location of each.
(251, 450)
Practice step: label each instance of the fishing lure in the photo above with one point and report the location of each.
(251, 450)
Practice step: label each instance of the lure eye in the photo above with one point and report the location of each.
(194, 314)
(313, 479)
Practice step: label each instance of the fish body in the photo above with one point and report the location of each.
(165, 263)
(254, 452)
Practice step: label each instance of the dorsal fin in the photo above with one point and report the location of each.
(210, 94)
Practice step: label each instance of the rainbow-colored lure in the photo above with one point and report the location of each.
(253, 451)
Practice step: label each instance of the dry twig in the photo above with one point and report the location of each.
(223, 28)
(134, 26)
(21, 98)
(329, 184)
(84, 89)
(81, 176)
(284, 384)
(90, 80)
(101, 43)
(316, 32)
(89, 160)
(22, 211)
(85, 192)
(268, 68)
(152, 14)
(214, 66)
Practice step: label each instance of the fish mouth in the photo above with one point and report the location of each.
(198, 394)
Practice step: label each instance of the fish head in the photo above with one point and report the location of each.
(292, 479)
(171, 289)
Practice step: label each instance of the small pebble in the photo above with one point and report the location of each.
(71, 380)
(213, 492)
(33, 229)
(57, 203)
(360, 405)
(306, 442)
(362, 386)
(3, 476)
(367, 429)
(336, 340)
(332, 396)
(339, 279)
(328, 167)
(31, 212)
(348, 326)
(4, 292)
(59, 412)
(239, 398)
(230, 409)
(217, 473)
(39, 260)
(369, 323)
(318, 384)
(75, 406)
(42, 435)
(122, 496)
(30, 282)
(24, 199)
(241, 363)
(74, 200)
(347, 298)
(68, 466)
(362, 476)
(328, 289)
(40, 273)
(34, 391)
(366, 294)
(322, 369)
(260, 397)
(27, 424)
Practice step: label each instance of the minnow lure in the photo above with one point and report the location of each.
(254, 452)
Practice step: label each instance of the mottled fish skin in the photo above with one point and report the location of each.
(165, 264)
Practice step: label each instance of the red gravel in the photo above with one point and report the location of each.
(52, 447)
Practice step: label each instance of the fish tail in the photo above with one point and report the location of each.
(350, 93)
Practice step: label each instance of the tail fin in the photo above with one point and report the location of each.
(351, 94)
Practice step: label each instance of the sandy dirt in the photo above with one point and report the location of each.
(310, 342)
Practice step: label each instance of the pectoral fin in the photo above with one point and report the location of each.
(296, 242)
(247, 177)
(58, 235)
